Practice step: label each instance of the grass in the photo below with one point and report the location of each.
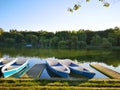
(56, 84)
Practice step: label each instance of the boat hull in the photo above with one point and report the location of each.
(83, 73)
(58, 73)
(78, 69)
(14, 71)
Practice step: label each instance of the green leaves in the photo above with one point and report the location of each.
(106, 4)
(1, 31)
(70, 10)
(87, 0)
(101, 0)
(76, 6)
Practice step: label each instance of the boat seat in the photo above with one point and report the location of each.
(16, 64)
(72, 65)
(60, 68)
(11, 67)
(77, 68)
(1, 63)
(5, 61)
(58, 64)
(65, 69)
(85, 69)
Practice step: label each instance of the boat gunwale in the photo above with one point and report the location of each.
(16, 67)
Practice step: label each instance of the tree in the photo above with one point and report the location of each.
(31, 39)
(1, 36)
(54, 42)
(62, 39)
(114, 36)
(18, 38)
(74, 40)
(81, 44)
(46, 43)
(112, 39)
(117, 34)
(106, 43)
(34, 40)
(63, 35)
(96, 40)
(42, 42)
(10, 42)
(62, 44)
(81, 35)
(89, 35)
(1, 31)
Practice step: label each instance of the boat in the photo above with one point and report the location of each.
(56, 67)
(77, 68)
(4, 61)
(14, 67)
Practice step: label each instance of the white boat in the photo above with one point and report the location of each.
(4, 61)
(14, 66)
(77, 68)
(56, 67)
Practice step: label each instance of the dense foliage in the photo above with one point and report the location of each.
(62, 39)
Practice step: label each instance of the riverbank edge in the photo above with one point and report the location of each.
(57, 83)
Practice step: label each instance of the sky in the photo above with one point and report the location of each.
(52, 15)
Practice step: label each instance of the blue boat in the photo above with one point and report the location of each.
(56, 67)
(14, 67)
(78, 69)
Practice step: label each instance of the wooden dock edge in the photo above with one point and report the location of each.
(106, 71)
(26, 75)
(39, 74)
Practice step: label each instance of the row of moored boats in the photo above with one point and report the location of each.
(11, 66)
(63, 68)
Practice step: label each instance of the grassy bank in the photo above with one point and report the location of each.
(56, 84)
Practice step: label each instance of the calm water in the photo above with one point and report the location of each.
(110, 59)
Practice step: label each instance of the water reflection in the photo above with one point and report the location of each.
(45, 74)
(108, 57)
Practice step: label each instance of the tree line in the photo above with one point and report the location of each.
(61, 39)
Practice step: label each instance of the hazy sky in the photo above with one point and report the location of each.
(52, 15)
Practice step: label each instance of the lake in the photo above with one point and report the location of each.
(108, 58)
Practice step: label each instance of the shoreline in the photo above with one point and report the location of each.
(49, 84)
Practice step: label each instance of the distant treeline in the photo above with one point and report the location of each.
(62, 39)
